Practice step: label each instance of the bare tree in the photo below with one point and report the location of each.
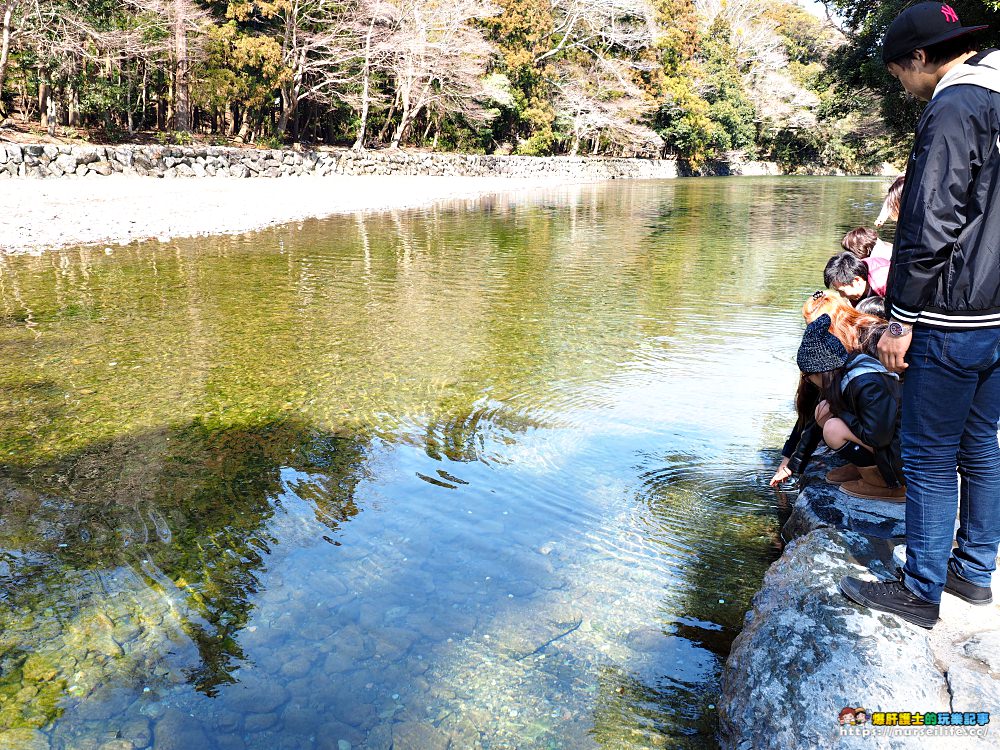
(598, 26)
(762, 61)
(438, 59)
(378, 20)
(602, 103)
(13, 19)
(321, 47)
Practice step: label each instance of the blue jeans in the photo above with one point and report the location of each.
(951, 406)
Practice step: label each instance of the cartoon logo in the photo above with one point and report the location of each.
(860, 716)
(847, 715)
(949, 14)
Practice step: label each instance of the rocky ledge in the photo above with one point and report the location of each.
(806, 652)
(48, 160)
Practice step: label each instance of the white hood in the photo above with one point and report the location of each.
(985, 73)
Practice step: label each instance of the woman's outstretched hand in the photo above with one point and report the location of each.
(781, 474)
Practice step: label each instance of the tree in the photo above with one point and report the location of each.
(601, 102)
(438, 60)
(183, 22)
(320, 40)
(13, 17)
(857, 65)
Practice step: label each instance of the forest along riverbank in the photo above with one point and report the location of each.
(126, 205)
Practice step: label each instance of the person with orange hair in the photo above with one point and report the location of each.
(852, 403)
(857, 331)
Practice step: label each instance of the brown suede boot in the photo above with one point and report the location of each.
(845, 473)
(872, 486)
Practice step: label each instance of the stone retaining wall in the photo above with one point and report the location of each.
(18, 160)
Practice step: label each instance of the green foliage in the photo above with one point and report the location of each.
(270, 141)
(701, 82)
(857, 65)
(731, 112)
(683, 119)
(174, 138)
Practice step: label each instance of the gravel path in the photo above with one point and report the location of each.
(40, 215)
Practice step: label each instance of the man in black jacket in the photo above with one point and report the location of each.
(943, 298)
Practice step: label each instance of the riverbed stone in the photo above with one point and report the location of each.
(23, 739)
(260, 722)
(138, 731)
(520, 637)
(414, 735)
(255, 694)
(331, 734)
(176, 730)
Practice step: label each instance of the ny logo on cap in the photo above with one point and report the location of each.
(949, 14)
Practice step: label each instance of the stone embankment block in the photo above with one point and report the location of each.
(40, 161)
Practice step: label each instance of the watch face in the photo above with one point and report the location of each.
(896, 329)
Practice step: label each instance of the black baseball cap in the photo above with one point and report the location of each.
(921, 26)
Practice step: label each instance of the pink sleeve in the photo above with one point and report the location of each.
(878, 272)
(881, 250)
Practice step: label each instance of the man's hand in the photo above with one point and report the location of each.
(822, 413)
(892, 351)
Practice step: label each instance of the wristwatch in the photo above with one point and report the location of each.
(898, 329)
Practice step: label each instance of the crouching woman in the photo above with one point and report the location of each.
(852, 403)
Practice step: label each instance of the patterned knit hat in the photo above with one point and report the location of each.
(820, 350)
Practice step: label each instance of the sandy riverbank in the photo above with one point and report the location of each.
(40, 215)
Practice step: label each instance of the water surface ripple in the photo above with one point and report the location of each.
(482, 479)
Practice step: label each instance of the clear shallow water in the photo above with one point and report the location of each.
(492, 478)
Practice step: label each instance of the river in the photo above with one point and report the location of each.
(493, 478)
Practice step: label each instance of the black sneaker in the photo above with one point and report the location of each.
(892, 597)
(970, 592)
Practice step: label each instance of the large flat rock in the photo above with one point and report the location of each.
(821, 505)
(806, 652)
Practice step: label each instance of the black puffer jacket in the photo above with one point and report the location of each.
(945, 271)
(873, 413)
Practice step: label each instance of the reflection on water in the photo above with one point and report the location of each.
(471, 479)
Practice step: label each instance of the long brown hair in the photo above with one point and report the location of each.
(857, 331)
(807, 395)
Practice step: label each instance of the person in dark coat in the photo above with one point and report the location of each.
(943, 302)
(855, 409)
